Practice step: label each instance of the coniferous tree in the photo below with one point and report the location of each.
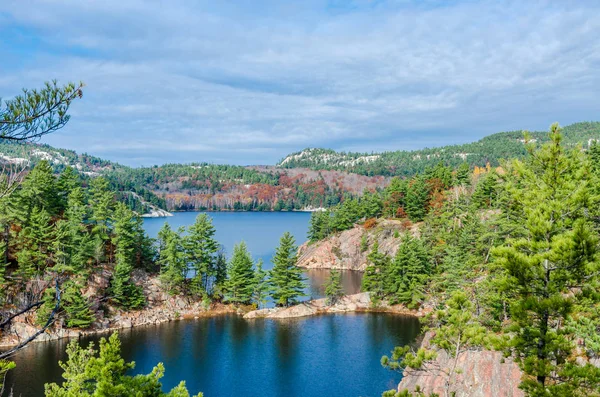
(89, 372)
(76, 306)
(220, 275)
(239, 286)
(172, 259)
(286, 278)
(201, 248)
(557, 253)
(408, 272)
(124, 291)
(102, 203)
(463, 174)
(374, 279)
(333, 287)
(261, 285)
(417, 199)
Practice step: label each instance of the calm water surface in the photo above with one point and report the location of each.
(261, 232)
(334, 355)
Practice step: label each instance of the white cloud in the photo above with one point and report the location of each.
(249, 83)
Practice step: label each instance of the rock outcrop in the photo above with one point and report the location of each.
(161, 307)
(479, 373)
(345, 250)
(349, 303)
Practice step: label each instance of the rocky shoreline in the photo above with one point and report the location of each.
(179, 308)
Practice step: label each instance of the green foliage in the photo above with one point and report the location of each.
(261, 285)
(239, 286)
(408, 273)
(201, 249)
(35, 113)
(286, 279)
(333, 287)
(552, 194)
(374, 279)
(103, 372)
(127, 233)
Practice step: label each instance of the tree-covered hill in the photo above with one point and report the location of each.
(490, 149)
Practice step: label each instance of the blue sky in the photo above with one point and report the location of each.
(247, 82)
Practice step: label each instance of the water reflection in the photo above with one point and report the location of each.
(226, 356)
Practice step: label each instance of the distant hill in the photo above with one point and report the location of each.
(490, 149)
(312, 178)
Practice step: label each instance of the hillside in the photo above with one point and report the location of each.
(313, 178)
(203, 186)
(490, 149)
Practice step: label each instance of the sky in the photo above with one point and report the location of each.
(250, 81)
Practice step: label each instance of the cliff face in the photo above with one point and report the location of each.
(479, 374)
(344, 250)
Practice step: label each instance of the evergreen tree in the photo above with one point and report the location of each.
(95, 373)
(239, 286)
(558, 252)
(124, 291)
(485, 191)
(172, 258)
(463, 174)
(286, 279)
(201, 248)
(76, 306)
(417, 197)
(35, 240)
(374, 279)
(220, 274)
(456, 331)
(67, 181)
(102, 203)
(408, 272)
(333, 287)
(318, 228)
(261, 285)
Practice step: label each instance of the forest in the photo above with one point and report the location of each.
(491, 149)
(507, 256)
(314, 178)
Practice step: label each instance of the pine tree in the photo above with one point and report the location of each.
(124, 291)
(261, 285)
(67, 181)
(239, 286)
(89, 372)
(333, 287)
(102, 203)
(172, 259)
(463, 174)
(558, 252)
(417, 199)
(374, 279)
(318, 228)
(286, 279)
(76, 306)
(220, 275)
(408, 272)
(35, 240)
(38, 191)
(201, 248)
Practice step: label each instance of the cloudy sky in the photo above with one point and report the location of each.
(247, 82)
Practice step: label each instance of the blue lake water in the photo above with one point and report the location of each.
(261, 232)
(329, 355)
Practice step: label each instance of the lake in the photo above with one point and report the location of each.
(329, 355)
(261, 232)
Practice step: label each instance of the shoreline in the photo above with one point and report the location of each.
(355, 303)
